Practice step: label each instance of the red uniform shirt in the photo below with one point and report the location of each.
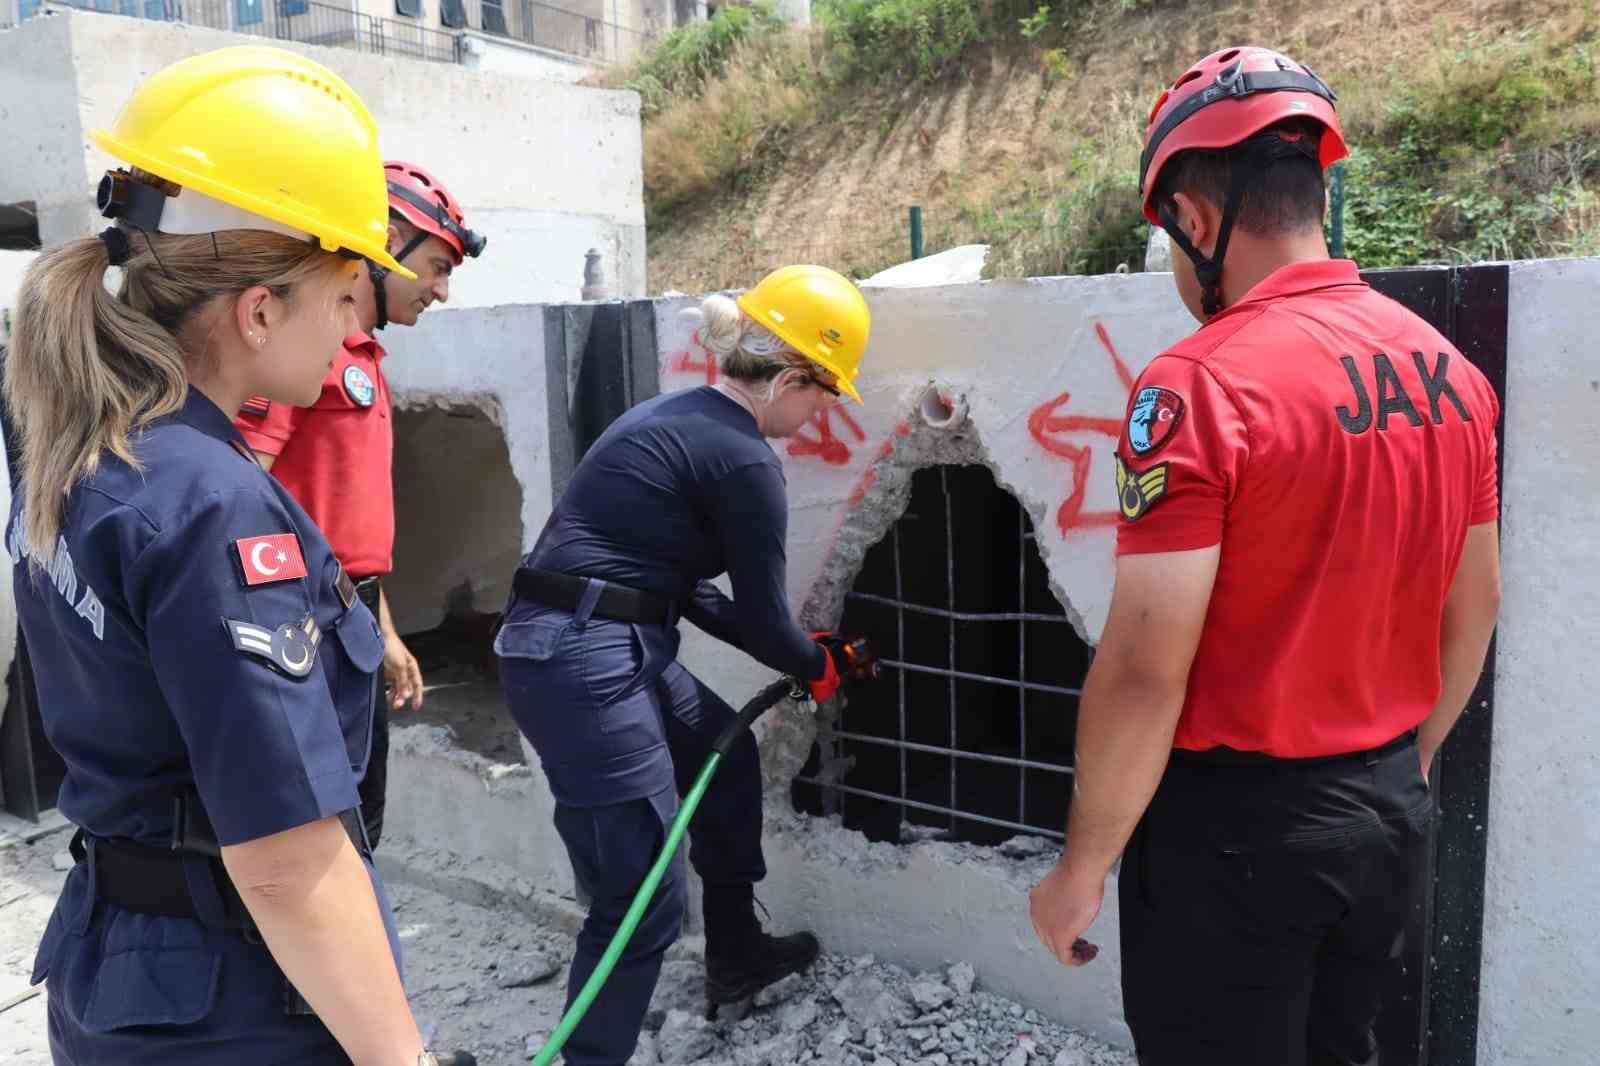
(335, 456)
(1337, 447)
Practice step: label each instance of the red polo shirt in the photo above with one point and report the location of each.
(335, 456)
(1337, 447)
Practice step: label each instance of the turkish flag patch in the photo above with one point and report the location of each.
(268, 559)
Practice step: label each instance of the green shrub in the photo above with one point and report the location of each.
(694, 54)
(907, 38)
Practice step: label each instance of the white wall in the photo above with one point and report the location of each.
(1540, 1001)
(44, 134)
(1039, 380)
(491, 359)
(545, 170)
(502, 55)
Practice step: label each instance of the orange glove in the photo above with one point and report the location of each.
(825, 687)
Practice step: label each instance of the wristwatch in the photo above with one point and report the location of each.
(427, 1058)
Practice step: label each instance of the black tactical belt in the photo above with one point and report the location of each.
(617, 602)
(152, 880)
(1234, 757)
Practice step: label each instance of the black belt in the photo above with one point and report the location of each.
(368, 588)
(1234, 757)
(153, 880)
(616, 602)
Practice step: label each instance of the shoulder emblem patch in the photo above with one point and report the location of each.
(270, 558)
(291, 649)
(1138, 490)
(358, 386)
(1154, 419)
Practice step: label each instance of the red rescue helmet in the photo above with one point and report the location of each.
(422, 200)
(1229, 97)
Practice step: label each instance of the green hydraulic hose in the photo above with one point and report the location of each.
(647, 890)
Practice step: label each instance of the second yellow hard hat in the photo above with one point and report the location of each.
(819, 313)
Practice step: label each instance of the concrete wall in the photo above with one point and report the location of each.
(1541, 977)
(493, 54)
(545, 170)
(1040, 370)
(44, 133)
(467, 498)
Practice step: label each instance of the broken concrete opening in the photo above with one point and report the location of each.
(969, 733)
(458, 539)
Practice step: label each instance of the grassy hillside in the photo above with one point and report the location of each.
(1475, 126)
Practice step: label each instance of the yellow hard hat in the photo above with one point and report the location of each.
(817, 312)
(268, 134)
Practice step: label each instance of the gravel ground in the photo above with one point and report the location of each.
(492, 981)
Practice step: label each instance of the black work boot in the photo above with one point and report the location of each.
(741, 957)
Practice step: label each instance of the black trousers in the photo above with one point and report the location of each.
(375, 784)
(1264, 907)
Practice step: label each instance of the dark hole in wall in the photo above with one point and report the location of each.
(958, 522)
(19, 226)
(458, 539)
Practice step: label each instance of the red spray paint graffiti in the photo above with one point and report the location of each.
(825, 446)
(1049, 426)
(693, 360)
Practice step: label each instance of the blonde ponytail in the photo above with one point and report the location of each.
(744, 350)
(87, 369)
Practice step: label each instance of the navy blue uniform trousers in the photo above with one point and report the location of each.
(622, 729)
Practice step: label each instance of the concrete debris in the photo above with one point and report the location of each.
(962, 978)
(729, 1013)
(1025, 847)
(524, 973)
(682, 986)
(781, 992)
(930, 995)
(63, 861)
(467, 969)
(684, 1038)
(797, 1016)
(866, 1002)
(916, 834)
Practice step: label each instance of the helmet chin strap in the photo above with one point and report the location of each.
(1253, 156)
(380, 273)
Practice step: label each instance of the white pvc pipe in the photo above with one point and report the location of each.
(938, 411)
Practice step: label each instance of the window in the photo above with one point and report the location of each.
(408, 8)
(452, 14)
(289, 8)
(247, 12)
(494, 18)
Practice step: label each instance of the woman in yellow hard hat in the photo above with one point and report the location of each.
(203, 664)
(680, 489)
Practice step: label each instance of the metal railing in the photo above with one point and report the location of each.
(302, 21)
(834, 776)
(574, 32)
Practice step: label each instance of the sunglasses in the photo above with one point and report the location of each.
(812, 376)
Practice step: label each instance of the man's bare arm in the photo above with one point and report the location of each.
(1470, 609)
(1132, 699)
(1126, 720)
